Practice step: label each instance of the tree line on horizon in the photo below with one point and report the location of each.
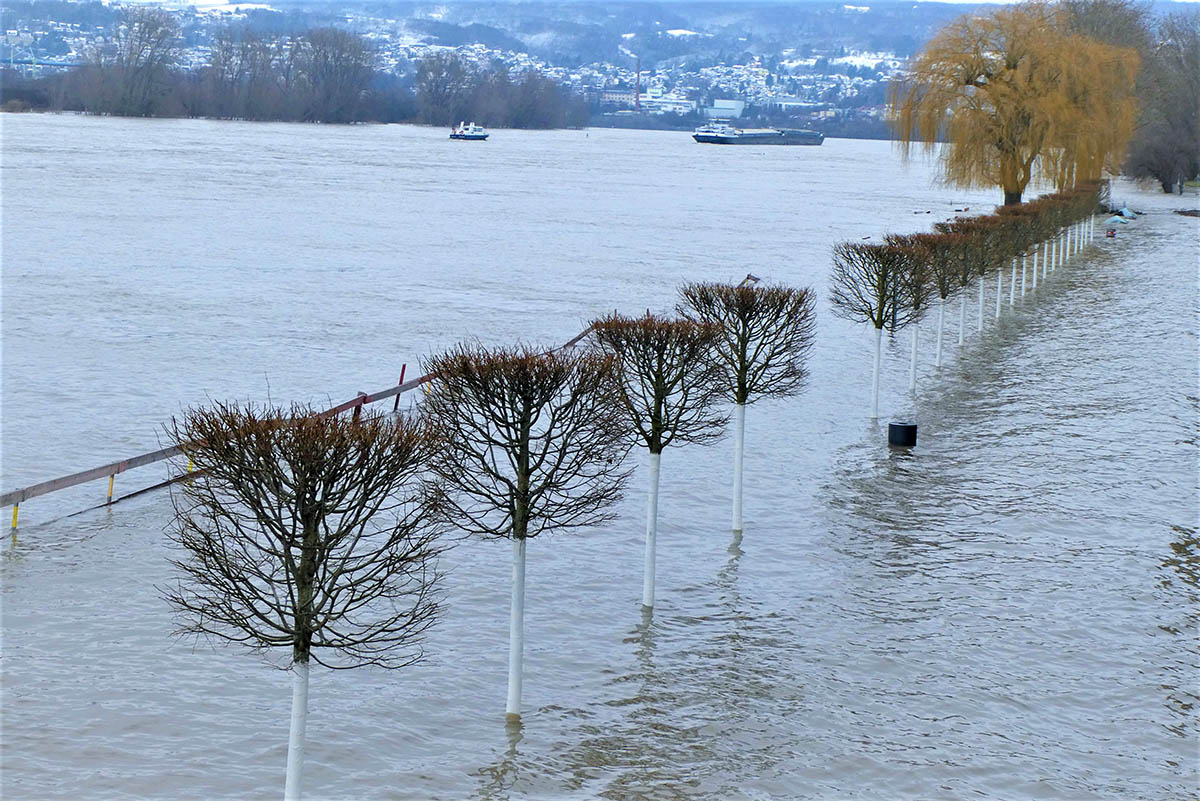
(320, 75)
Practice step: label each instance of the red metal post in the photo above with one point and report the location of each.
(403, 368)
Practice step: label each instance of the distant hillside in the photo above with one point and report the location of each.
(678, 33)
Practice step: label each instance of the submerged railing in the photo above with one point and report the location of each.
(16, 497)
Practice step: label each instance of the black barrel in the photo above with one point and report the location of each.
(902, 435)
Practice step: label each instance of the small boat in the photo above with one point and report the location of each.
(469, 131)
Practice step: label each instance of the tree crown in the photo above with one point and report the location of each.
(668, 378)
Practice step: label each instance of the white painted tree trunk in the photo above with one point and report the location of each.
(875, 376)
(1012, 283)
(1022, 277)
(516, 630)
(962, 315)
(981, 304)
(739, 444)
(1045, 257)
(1034, 270)
(651, 531)
(999, 289)
(295, 757)
(941, 322)
(1054, 254)
(912, 366)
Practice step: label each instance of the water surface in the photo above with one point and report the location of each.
(1008, 611)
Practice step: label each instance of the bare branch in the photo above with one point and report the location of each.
(534, 441)
(766, 334)
(669, 380)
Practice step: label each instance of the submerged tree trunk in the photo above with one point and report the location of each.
(516, 630)
(739, 444)
(1035, 275)
(1022, 278)
(1000, 287)
(912, 366)
(875, 376)
(941, 321)
(962, 315)
(1012, 198)
(295, 758)
(651, 531)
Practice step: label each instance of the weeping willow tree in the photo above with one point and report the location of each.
(1096, 113)
(1014, 97)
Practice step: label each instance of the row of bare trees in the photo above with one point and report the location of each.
(319, 535)
(320, 75)
(892, 285)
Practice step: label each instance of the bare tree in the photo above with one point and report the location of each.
(443, 83)
(1167, 144)
(534, 442)
(766, 334)
(337, 67)
(916, 288)
(941, 254)
(308, 533)
(146, 45)
(669, 385)
(867, 288)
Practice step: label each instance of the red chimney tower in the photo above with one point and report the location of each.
(637, 86)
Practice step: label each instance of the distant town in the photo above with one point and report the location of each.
(832, 74)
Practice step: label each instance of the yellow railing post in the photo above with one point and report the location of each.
(16, 506)
(110, 487)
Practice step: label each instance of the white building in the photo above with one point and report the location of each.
(725, 109)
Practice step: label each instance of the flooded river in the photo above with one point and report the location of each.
(1008, 611)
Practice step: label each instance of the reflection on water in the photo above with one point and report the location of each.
(1009, 610)
(499, 778)
(1185, 558)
